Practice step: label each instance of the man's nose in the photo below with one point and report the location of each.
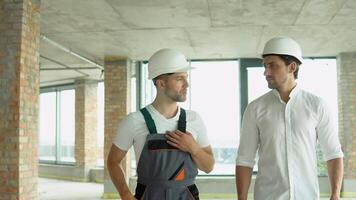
(266, 72)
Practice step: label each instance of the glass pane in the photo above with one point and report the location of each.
(67, 126)
(148, 90)
(47, 136)
(257, 84)
(133, 94)
(214, 95)
(326, 88)
(100, 124)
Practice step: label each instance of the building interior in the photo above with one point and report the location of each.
(71, 70)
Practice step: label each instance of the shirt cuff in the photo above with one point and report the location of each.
(333, 156)
(244, 163)
(121, 147)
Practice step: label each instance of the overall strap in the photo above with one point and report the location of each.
(182, 123)
(149, 121)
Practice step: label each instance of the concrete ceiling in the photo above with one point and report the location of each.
(201, 29)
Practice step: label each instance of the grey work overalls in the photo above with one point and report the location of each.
(165, 172)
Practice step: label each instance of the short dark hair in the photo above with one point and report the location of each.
(288, 59)
(160, 77)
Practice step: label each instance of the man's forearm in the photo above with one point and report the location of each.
(118, 179)
(204, 160)
(243, 180)
(335, 172)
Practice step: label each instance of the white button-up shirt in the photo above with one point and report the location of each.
(285, 135)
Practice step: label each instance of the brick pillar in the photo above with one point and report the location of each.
(347, 116)
(117, 106)
(19, 98)
(85, 127)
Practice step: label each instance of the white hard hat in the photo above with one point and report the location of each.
(283, 46)
(167, 61)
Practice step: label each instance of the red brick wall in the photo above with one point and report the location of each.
(347, 110)
(117, 103)
(86, 124)
(19, 89)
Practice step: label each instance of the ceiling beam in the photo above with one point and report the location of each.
(70, 52)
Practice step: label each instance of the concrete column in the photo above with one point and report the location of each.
(347, 117)
(117, 106)
(85, 128)
(19, 98)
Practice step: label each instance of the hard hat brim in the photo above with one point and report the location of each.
(167, 71)
(298, 58)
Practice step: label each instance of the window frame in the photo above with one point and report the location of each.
(57, 90)
(255, 62)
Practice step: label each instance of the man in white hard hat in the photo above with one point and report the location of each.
(283, 126)
(170, 143)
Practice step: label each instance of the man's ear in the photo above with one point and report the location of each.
(293, 67)
(160, 83)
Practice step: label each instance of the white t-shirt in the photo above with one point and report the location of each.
(133, 130)
(286, 135)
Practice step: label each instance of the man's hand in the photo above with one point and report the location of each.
(203, 157)
(334, 197)
(129, 196)
(183, 141)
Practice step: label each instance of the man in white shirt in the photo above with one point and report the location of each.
(170, 143)
(283, 126)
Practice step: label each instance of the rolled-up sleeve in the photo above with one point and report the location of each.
(249, 141)
(327, 134)
(125, 132)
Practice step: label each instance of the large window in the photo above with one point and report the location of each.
(67, 126)
(57, 126)
(48, 126)
(315, 75)
(214, 94)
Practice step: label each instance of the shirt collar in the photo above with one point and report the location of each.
(294, 91)
(156, 112)
(292, 94)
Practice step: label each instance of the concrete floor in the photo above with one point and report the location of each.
(51, 189)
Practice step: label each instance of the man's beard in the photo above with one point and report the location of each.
(272, 86)
(275, 85)
(175, 96)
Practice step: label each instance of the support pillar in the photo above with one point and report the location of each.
(19, 98)
(117, 106)
(347, 118)
(85, 128)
